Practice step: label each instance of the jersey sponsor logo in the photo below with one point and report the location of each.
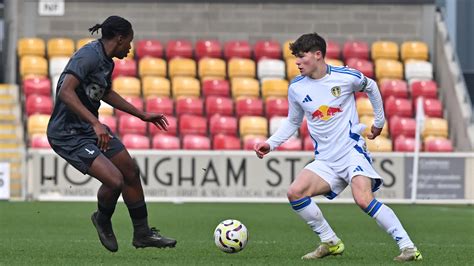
(91, 152)
(325, 112)
(307, 99)
(336, 91)
(95, 92)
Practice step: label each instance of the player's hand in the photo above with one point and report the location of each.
(103, 136)
(261, 149)
(374, 132)
(159, 120)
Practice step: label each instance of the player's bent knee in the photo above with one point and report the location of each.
(363, 199)
(294, 194)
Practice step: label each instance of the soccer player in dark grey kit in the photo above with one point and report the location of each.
(76, 134)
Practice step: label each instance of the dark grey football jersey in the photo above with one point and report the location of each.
(91, 66)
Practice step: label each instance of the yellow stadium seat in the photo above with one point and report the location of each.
(291, 68)
(126, 86)
(33, 65)
(245, 87)
(37, 123)
(105, 109)
(212, 68)
(334, 62)
(275, 88)
(150, 66)
(368, 120)
(435, 127)
(241, 67)
(386, 68)
(379, 144)
(253, 125)
(156, 86)
(185, 86)
(414, 50)
(31, 46)
(286, 50)
(60, 47)
(364, 107)
(82, 42)
(182, 67)
(384, 50)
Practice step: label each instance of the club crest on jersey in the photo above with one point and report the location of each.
(95, 91)
(336, 91)
(325, 112)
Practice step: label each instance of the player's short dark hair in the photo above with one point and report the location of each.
(309, 42)
(113, 26)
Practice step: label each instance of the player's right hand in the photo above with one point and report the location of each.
(261, 149)
(103, 136)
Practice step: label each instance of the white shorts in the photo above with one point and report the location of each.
(338, 174)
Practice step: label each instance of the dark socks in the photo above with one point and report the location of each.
(105, 212)
(139, 215)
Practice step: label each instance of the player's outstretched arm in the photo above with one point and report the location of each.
(261, 149)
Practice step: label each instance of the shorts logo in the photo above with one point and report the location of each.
(91, 152)
(336, 91)
(95, 92)
(358, 169)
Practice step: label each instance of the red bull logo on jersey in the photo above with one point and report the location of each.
(325, 112)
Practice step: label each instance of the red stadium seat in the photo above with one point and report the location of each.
(38, 104)
(292, 144)
(438, 145)
(39, 141)
(276, 107)
(189, 105)
(405, 126)
(179, 48)
(250, 141)
(432, 107)
(393, 87)
(172, 127)
(37, 85)
(249, 106)
(355, 49)
(160, 105)
(134, 100)
(208, 48)
(134, 141)
(398, 106)
(196, 142)
(152, 48)
(304, 128)
(225, 142)
(363, 65)
(219, 124)
(125, 67)
(240, 49)
(333, 50)
(308, 144)
(404, 144)
(267, 49)
(129, 124)
(360, 94)
(110, 121)
(218, 87)
(192, 124)
(219, 105)
(165, 142)
(425, 88)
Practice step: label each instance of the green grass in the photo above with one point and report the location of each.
(62, 234)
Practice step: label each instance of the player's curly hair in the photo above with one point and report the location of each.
(309, 42)
(112, 26)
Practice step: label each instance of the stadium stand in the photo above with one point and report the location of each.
(179, 48)
(237, 49)
(149, 48)
(208, 48)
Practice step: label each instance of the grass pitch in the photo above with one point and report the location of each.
(59, 233)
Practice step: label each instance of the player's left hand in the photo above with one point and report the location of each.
(374, 132)
(159, 120)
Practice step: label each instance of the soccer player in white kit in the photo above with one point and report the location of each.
(324, 94)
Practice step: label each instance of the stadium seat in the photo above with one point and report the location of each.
(248, 106)
(275, 123)
(245, 87)
(185, 87)
(241, 67)
(286, 50)
(303, 130)
(156, 86)
(393, 87)
(208, 48)
(60, 47)
(334, 62)
(124, 67)
(379, 144)
(220, 124)
(38, 104)
(432, 107)
(291, 69)
(219, 105)
(179, 48)
(426, 88)
(54, 84)
(250, 141)
(276, 107)
(105, 109)
(196, 142)
(225, 142)
(355, 49)
(127, 86)
(364, 107)
(404, 144)
(37, 124)
(435, 127)
(38, 85)
(165, 142)
(369, 121)
(150, 66)
(134, 141)
(398, 106)
(160, 105)
(57, 65)
(384, 50)
(212, 68)
(149, 48)
(182, 67)
(253, 125)
(189, 105)
(275, 88)
(129, 124)
(333, 50)
(217, 87)
(110, 121)
(418, 70)
(402, 126)
(270, 69)
(82, 42)
(292, 144)
(39, 141)
(237, 49)
(360, 94)
(414, 50)
(438, 145)
(387, 68)
(172, 127)
(364, 66)
(31, 46)
(31, 65)
(267, 49)
(308, 144)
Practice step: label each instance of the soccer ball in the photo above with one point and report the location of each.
(231, 236)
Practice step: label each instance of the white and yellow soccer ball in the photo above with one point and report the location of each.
(231, 236)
